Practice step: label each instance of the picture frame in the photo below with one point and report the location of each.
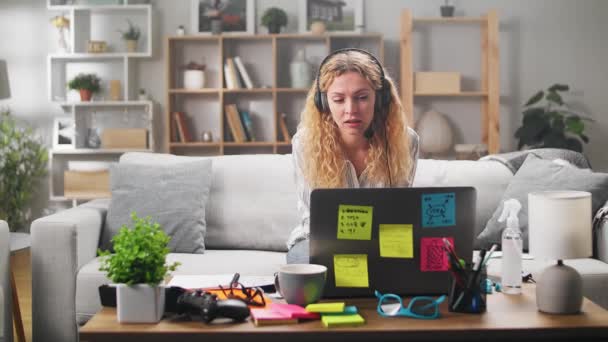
(63, 133)
(234, 21)
(346, 16)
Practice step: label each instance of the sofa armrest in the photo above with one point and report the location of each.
(6, 320)
(61, 244)
(601, 240)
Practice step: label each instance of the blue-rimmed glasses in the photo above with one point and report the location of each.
(421, 307)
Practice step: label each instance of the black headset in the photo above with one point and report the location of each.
(383, 95)
(383, 100)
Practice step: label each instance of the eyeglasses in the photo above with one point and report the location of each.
(421, 307)
(253, 296)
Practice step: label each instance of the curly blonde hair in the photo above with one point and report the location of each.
(324, 165)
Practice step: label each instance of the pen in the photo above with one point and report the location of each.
(235, 279)
(489, 254)
(451, 250)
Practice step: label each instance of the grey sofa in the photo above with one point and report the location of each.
(6, 318)
(250, 213)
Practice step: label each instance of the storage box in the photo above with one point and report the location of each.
(437, 82)
(135, 138)
(86, 184)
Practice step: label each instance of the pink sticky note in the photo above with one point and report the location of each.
(432, 254)
(294, 311)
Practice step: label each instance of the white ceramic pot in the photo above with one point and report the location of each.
(140, 303)
(194, 79)
(435, 133)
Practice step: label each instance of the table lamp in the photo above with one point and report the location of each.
(5, 89)
(559, 228)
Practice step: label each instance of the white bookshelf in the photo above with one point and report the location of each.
(96, 20)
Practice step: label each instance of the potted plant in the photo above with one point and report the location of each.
(86, 84)
(131, 36)
(137, 267)
(551, 124)
(23, 161)
(273, 18)
(194, 75)
(447, 10)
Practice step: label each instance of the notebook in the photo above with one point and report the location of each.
(391, 239)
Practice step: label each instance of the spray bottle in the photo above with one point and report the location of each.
(512, 248)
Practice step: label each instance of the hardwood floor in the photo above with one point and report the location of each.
(22, 268)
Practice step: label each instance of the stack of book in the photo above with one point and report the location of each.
(181, 130)
(240, 123)
(235, 74)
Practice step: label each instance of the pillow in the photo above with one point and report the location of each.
(540, 175)
(173, 195)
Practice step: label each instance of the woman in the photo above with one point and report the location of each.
(353, 134)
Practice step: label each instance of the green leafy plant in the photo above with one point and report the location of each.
(551, 124)
(85, 81)
(139, 254)
(132, 33)
(274, 17)
(23, 161)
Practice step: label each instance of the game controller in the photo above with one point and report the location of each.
(209, 307)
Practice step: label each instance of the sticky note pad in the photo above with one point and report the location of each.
(342, 320)
(326, 307)
(396, 241)
(350, 270)
(432, 254)
(355, 222)
(438, 210)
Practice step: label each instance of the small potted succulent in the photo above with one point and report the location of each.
(273, 18)
(447, 10)
(86, 84)
(131, 36)
(194, 75)
(137, 268)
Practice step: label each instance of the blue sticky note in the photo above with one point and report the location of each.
(439, 210)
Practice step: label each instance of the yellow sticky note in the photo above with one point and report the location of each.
(340, 321)
(355, 222)
(351, 270)
(396, 241)
(326, 307)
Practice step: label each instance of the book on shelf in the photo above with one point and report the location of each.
(232, 77)
(283, 127)
(248, 125)
(243, 72)
(182, 127)
(234, 121)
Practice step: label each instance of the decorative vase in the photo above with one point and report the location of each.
(131, 45)
(194, 79)
(317, 27)
(93, 138)
(139, 303)
(85, 95)
(447, 11)
(300, 71)
(435, 133)
(216, 26)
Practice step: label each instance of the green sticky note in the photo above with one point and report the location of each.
(396, 241)
(355, 222)
(342, 320)
(350, 270)
(326, 307)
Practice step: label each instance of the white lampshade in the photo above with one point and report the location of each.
(5, 89)
(559, 224)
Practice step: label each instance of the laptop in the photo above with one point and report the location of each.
(389, 239)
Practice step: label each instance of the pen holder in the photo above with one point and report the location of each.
(470, 298)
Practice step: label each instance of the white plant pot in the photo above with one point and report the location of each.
(194, 79)
(140, 303)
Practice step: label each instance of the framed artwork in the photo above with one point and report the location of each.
(63, 133)
(237, 16)
(345, 16)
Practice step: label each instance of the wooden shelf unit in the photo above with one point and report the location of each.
(266, 58)
(490, 60)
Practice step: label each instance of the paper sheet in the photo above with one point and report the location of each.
(396, 241)
(207, 281)
(355, 222)
(432, 255)
(438, 210)
(350, 270)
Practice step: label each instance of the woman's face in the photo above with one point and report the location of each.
(351, 102)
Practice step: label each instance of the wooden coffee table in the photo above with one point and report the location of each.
(507, 318)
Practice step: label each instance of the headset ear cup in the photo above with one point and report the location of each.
(318, 101)
(324, 103)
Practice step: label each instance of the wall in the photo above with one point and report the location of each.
(541, 42)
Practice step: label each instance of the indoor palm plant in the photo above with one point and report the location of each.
(23, 161)
(131, 36)
(273, 18)
(552, 123)
(86, 84)
(137, 267)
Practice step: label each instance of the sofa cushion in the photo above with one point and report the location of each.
(246, 262)
(172, 195)
(489, 178)
(252, 201)
(540, 175)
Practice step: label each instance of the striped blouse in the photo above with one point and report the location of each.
(302, 231)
